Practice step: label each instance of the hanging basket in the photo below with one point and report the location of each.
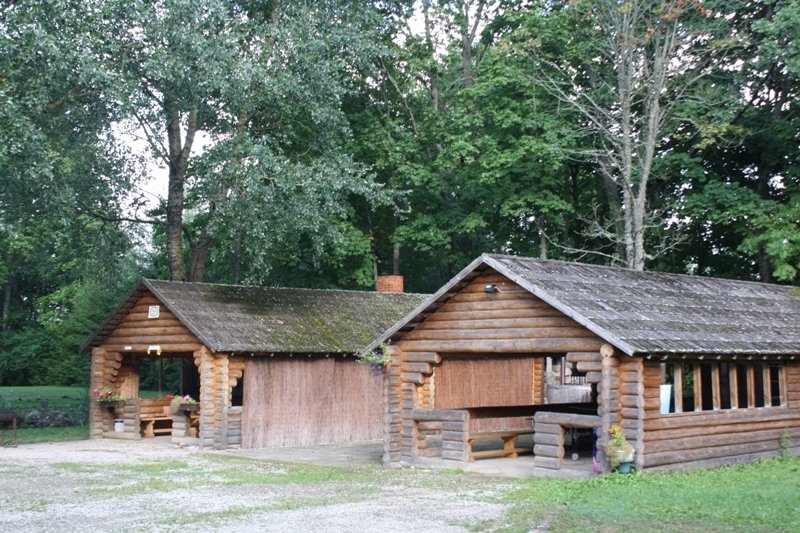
(189, 407)
(112, 404)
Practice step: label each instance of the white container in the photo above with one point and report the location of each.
(666, 394)
(119, 425)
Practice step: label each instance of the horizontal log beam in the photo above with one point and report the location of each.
(569, 419)
(550, 439)
(593, 366)
(150, 323)
(711, 452)
(496, 314)
(141, 339)
(144, 317)
(548, 463)
(503, 346)
(150, 331)
(584, 357)
(493, 306)
(744, 436)
(503, 286)
(494, 297)
(717, 462)
(422, 357)
(443, 415)
(545, 450)
(479, 322)
(142, 348)
(712, 418)
(722, 429)
(422, 368)
(499, 334)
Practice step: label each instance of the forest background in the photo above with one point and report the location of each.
(342, 139)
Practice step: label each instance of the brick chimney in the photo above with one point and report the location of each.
(390, 283)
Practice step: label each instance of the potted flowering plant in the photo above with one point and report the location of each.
(107, 397)
(377, 361)
(184, 403)
(619, 451)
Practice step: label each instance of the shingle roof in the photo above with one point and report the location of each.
(235, 318)
(650, 312)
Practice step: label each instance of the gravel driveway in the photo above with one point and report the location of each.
(105, 485)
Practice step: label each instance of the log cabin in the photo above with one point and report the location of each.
(268, 366)
(698, 372)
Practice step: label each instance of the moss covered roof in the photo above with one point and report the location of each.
(236, 318)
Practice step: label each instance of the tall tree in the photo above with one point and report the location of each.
(632, 65)
(262, 82)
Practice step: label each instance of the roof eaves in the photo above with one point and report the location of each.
(113, 314)
(493, 262)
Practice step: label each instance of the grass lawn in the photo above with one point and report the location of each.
(761, 497)
(29, 436)
(28, 398)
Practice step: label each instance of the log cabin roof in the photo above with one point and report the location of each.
(645, 312)
(236, 318)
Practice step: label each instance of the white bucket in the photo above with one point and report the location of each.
(666, 394)
(119, 425)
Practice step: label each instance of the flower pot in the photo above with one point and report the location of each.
(189, 407)
(621, 454)
(625, 467)
(112, 404)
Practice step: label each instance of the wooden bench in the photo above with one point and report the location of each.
(509, 443)
(149, 422)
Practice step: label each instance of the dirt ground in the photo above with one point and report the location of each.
(152, 485)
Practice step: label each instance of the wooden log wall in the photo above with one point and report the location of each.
(631, 376)
(707, 439)
(509, 321)
(106, 368)
(214, 398)
(548, 450)
(608, 400)
(235, 373)
(548, 439)
(137, 332)
(792, 375)
(301, 400)
(184, 431)
(538, 381)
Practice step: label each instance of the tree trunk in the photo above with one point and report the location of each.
(197, 262)
(237, 258)
(178, 159)
(434, 88)
(6, 299)
(395, 250)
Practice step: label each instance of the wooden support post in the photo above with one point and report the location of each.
(765, 379)
(733, 380)
(698, 388)
(678, 386)
(715, 387)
